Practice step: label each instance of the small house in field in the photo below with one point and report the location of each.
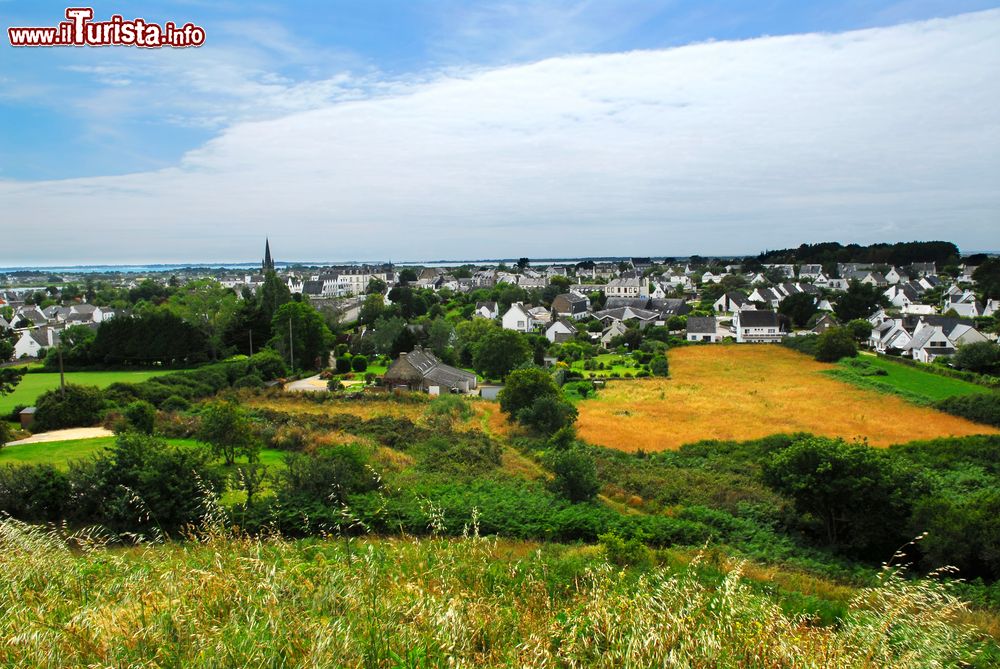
(422, 370)
(758, 327)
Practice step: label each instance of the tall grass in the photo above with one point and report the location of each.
(224, 600)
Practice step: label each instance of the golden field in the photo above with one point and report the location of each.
(749, 391)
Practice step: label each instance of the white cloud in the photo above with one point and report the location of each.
(724, 147)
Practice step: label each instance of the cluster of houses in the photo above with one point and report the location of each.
(37, 330)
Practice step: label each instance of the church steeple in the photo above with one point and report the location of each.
(268, 264)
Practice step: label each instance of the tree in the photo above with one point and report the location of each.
(468, 334)
(860, 329)
(547, 415)
(273, 295)
(523, 388)
(9, 378)
(227, 429)
(834, 344)
(860, 301)
(78, 406)
(575, 475)
(407, 275)
(326, 477)
(860, 497)
(799, 307)
(987, 278)
(371, 310)
(385, 332)
(310, 338)
(499, 352)
(659, 366)
(208, 306)
(376, 286)
(440, 337)
(359, 363)
(980, 357)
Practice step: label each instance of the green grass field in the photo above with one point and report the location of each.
(61, 453)
(615, 365)
(910, 382)
(33, 385)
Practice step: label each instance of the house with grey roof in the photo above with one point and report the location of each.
(422, 370)
(560, 330)
(571, 305)
(758, 327)
(703, 329)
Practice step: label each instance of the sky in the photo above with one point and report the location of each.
(440, 129)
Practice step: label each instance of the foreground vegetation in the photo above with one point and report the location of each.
(225, 600)
(33, 384)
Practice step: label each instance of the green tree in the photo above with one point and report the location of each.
(300, 330)
(860, 301)
(834, 344)
(440, 337)
(979, 357)
(575, 474)
(799, 307)
(78, 406)
(208, 306)
(376, 286)
(547, 415)
(273, 294)
(987, 278)
(499, 352)
(860, 329)
(228, 430)
(523, 388)
(9, 378)
(861, 497)
(385, 332)
(326, 477)
(468, 335)
(659, 366)
(371, 310)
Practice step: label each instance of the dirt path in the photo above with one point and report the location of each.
(65, 435)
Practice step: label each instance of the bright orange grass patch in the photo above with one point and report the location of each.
(745, 392)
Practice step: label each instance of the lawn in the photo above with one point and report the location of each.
(33, 385)
(615, 365)
(61, 453)
(746, 392)
(910, 382)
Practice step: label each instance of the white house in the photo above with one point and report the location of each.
(33, 342)
(615, 329)
(486, 310)
(560, 330)
(732, 302)
(626, 287)
(703, 328)
(517, 318)
(757, 327)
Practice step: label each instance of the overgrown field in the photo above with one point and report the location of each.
(34, 384)
(748, 392)
(220, 601)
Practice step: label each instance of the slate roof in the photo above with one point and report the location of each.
(701, 324)
(758, 319)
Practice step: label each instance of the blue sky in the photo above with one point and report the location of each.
(92, 129)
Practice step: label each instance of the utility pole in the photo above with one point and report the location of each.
(62, 374)
(291, 345)
(251, 342)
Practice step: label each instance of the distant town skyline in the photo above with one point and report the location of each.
(465, 130)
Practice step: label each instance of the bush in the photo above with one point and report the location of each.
(523, 387)
(978, 407)
(359, 363)
(34, 493)
(175, 403)
(659, 366)
(140, 416)
(343, 365)
(980, 358)
(249, 381)
(834, 344)
(327, 477)
(575, 475)
(82, 406)
(548, 414)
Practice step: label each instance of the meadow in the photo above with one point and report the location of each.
(747, 392)
(34, 384)
(226, 600)
(913, 383)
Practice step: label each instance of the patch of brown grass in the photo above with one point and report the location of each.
(746, 392)
(366, 410)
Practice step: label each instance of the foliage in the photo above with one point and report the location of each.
(860, 301)
(343, 364)
(359, 363)
(227, 428)
(9, 378)
(799, 307)
(979, 357)
(310, 337)
(153, 337)
(860, 329)
(140, 416)
(499, 352)
(575, 475)
(523, 388)
(987, 278)
(326, 477)
(980, 407)
(659, 366)
(79, 406)
(547, 414)
(838, 485)
(834, 344)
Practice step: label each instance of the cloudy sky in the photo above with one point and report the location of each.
(437, 129)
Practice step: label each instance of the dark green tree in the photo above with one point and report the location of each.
(834, 344)
(228, 430)
(499, 352)
(300, 330)
(575, 474)
(799, 307)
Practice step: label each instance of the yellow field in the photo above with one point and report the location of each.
(745, 392)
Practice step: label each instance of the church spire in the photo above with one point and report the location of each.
(268, 264)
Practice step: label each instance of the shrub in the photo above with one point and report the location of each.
(978, 407)
(82, 406)
(523, 387)
(548, 414)
(327, 477)
(659, 366)
(268, 365)
(249, 381)
(575, 475)
(34, 493)
(343, 364)
(359, 363)
(175, 403)
(980, 358)
(140, 416)
(834, 344)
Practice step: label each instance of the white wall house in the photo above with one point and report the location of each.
(757, 327)
(517, 318)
